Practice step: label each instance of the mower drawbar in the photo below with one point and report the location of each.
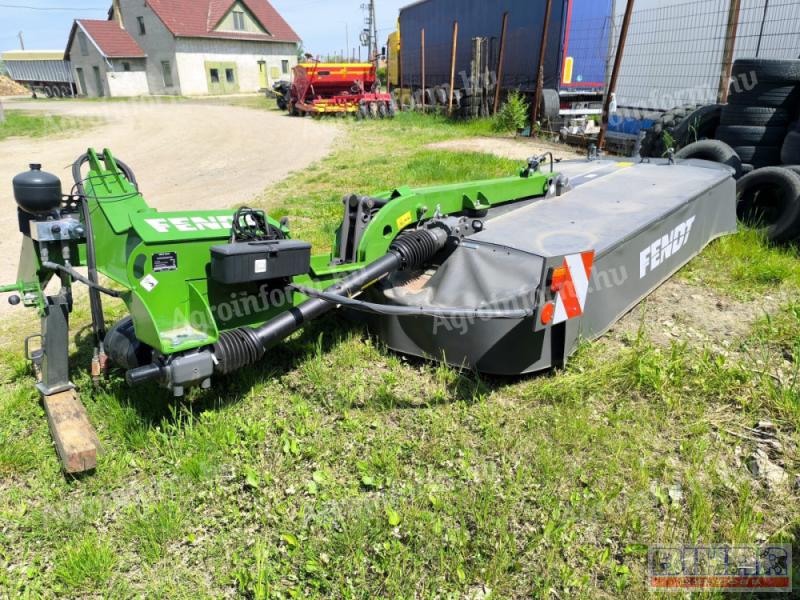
(242, 347)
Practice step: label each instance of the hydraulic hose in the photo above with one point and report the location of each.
(78, 277)
(95, 302)
(413, 311)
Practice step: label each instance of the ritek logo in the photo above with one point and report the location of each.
(664, 247)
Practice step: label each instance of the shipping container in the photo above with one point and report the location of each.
(43, 72)
(577, 47)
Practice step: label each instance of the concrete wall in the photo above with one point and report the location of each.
(88, 63)
(128, 83)
(157, 42)
(193, 54)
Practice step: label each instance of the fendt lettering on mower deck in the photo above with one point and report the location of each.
(514, 262)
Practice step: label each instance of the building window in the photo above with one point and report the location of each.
(230, 76)
(238, 20)
(166, 69)
(214, 75)
(126, 66)
(83, 44)
(285, 67)
(142, 28)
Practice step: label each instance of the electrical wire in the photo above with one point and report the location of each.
(48, 8)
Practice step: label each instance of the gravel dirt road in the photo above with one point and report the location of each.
(185, 154)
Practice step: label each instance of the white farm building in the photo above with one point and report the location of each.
(182, 47)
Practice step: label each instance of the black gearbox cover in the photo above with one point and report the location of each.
(246, 262)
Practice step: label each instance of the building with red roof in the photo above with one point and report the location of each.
(182, 47)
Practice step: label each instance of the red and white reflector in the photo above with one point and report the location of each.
(571, 285)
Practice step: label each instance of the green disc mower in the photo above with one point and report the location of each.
(502, 276)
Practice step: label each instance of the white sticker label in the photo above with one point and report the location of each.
(149, 283)
(261, 265)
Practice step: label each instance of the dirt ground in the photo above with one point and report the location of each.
(185, 154)
(514, 149)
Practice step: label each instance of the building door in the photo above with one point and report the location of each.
(98, 81)
(262, 74)
(82, 82)
(223, 78)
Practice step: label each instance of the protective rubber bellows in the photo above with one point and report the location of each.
(769, 199)
(415, 248)
(237, 349)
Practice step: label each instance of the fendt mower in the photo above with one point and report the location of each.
(502, 276)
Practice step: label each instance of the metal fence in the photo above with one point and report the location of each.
(674, 53)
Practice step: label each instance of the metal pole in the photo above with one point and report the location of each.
(727, 55)
(540, 71)
(500, 61)
(612, 86)
(21, 41)
(422, 58)
(453, 67)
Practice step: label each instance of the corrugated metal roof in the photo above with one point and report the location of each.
(33, 55)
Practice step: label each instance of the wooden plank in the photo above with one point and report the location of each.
(74, 437)
(453, 50)
(498, 86)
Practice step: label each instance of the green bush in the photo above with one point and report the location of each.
(513, 115)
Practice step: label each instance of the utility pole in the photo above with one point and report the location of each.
(21, 41)
(369, 36)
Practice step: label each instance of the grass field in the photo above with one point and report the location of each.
(339, 469)
(22, 124)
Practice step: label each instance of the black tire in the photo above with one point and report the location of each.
(790, 151)
(442, 96)
(458, 95)
(775, 95)
(673, 123)
(769, 199)
(767, 69)
(712, 150)
(551, 104)
(754, 116)
(792, 168)
(382, 112)
(747, 135)
(759, 156)
(430, 97)
(699, 124)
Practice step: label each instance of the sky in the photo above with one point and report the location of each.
(321, 24)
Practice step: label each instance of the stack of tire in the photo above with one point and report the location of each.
(762, 102)
(680, 127)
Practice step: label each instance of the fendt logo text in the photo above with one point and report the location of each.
(190, 224)
(664, 247)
